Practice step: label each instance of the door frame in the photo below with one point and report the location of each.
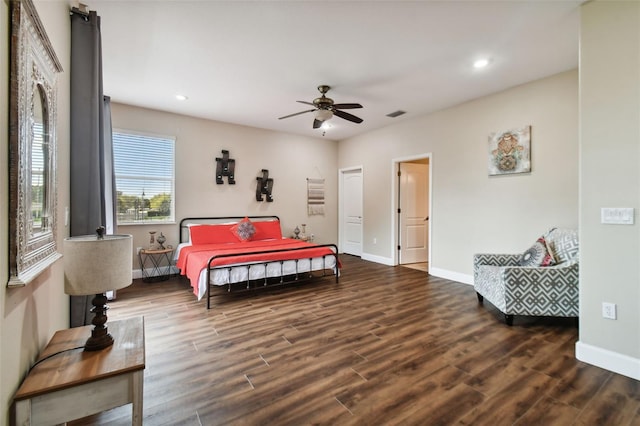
(395, 200)
(341, 173)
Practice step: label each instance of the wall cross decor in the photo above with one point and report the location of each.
(225, 167)
(264, 186)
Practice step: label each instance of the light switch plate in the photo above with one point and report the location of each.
(617, 215)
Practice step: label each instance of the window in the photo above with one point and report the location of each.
(39, 171)
(144, 168)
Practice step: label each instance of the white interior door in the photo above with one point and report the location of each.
(414, 212)
(352, 212)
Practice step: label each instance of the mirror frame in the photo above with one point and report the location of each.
(34, 68)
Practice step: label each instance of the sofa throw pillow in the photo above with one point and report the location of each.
(244, 230)
(563, 245)
(537, 255)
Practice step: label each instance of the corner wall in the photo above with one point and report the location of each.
(472, 212)
(610, 177)
(30, 315)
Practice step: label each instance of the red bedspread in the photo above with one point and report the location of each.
(193, 259)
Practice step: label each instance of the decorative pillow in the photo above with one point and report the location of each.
(537, 255)
(564, 245)
(211, 234)
(267, 230)
(244, 230)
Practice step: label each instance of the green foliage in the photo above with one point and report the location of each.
(132, 208)
(161, 203)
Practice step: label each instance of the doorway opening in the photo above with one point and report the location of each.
(412, 211)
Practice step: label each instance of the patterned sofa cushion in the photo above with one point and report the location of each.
(563, 244)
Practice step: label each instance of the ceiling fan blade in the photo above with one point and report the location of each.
(297, 113)
(347, 116)
(317, 123)
(347, 106)
(306, 103)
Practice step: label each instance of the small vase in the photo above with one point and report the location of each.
(303, 234)
(296, 233)
(161, 239)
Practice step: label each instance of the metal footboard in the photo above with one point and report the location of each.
(283, 278)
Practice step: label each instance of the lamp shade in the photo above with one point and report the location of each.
(95, 266)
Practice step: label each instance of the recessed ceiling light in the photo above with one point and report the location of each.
(181, 97)
(481, 63)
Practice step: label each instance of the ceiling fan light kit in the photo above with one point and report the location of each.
(325, 109)
(324, 114)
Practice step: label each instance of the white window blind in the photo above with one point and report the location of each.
(38, 176)
(144, 168)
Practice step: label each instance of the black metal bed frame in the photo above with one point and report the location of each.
(276, 280)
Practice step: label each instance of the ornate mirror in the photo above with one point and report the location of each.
(32, 146)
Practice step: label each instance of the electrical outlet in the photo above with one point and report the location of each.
(375, 241)
(138, 250)
(609, 310)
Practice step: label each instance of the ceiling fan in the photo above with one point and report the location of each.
(325, 109)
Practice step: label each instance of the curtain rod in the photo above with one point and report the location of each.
(82, 9)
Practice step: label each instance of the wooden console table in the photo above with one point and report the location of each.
(75, 384)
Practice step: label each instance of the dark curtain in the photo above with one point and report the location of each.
(91, 152)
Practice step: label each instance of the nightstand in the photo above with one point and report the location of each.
(155, 264)
(70, 383)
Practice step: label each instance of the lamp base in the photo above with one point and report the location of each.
(100, 338)
(98, 343)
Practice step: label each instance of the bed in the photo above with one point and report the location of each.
(247, 252)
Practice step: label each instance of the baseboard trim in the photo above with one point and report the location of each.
(609, 360)
(436, 272)
(450, 275)
(378, 259)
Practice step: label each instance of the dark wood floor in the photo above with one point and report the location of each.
(385, 346)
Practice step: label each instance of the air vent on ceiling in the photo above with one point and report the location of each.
(396, 113)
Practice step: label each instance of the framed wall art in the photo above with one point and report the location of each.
(510, 151)
(32, 147)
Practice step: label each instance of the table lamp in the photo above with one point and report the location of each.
(94, 265)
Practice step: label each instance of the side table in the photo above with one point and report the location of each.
(73, 383)
(155, 264)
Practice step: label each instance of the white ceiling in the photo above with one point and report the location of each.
(248, 62)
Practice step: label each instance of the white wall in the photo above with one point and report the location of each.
(290, 160)
(30, 315)
(610, 177)
(472, 212)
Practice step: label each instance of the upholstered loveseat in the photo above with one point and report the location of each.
(543, 281)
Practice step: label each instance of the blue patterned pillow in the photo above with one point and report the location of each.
(244, 229)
